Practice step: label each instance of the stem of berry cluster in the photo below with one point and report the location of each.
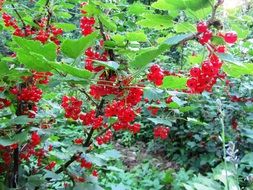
(210, 21)
(99, 111)
(13, 176)
(102, 32)
(223, 137)
(19, 16)
(49, 13)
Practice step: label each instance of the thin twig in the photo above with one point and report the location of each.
(210, 22)
(49, 14)
(19, 16)
(102, 32)
(86, 144)
(88, 97)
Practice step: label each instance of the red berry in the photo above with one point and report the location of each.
(35, 139)
(221, 49)
(169, 100)
(195, 72)
(202, 27)
(230, 37)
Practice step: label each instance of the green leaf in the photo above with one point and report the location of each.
(91, 9)
(229, 58)
(237, 71)
(217, 40)
(67, 27)
(33, 61)
(247, 133)
(67, 69)
(40, 3)
(242, 30)
(64, 15)
(107, 22)
(112, 154)
(169, 177)
(136, 36)
(156, 21)
(4, 68)
(109, 64)
(153, 94)
(173, 105)
(137, 8)
(187, 108)
(4, 141)
(248, 159)
(75, 48)
(48, 51)
(145, 58)
(119, 39)
(87, 186)
(185, 27)
(160, 121)
(163, 5)
(20, 120)
(180, 4)
(36, 180)
(119, 187)
(177, 39)
(21, 137)
(195, 59)
(174, 82)
(196, 121)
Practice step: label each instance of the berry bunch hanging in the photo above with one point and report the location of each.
(203, 78)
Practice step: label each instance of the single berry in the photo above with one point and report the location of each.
(230, 37)
(202, 27)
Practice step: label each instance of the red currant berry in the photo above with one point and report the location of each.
(230, 37)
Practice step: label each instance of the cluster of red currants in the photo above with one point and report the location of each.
(72, 107)
(87, 165)
(42, 34)
(6, 156)
(4, 103)
(92, 55)
(125, 111)
(31, 149)
(86, 23)
(161, 132)
(29, 96)
(90, 118)
(156, 74)
(41, 77)
(153, 110)
(105, 86)
(105, 138)
(84, 163)
(203, 79)
(240, 99)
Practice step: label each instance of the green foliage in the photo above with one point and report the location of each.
(74, 48)
(174, 82)
(128, 37)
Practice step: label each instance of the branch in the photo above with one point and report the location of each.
(103, 131)
(210, 22)
(102, 32)
(47, 3)
(49, 13)
(20, 18)
(88, 97)
(87, 142)
(214, 10)
(70, 161)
